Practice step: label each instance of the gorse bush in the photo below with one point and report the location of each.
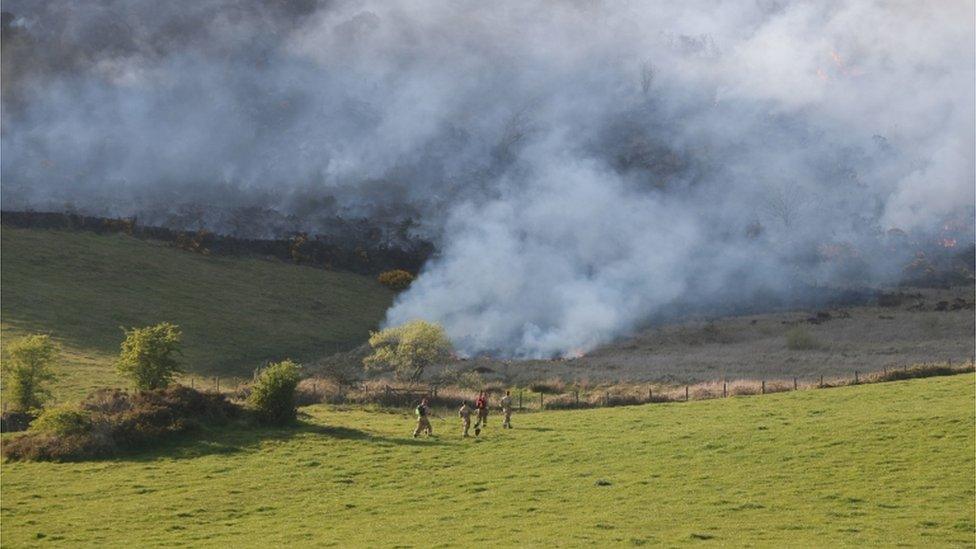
(110, 421)
(397, 279)
(27, 370)
(273, 394)
(408, 349)
(147, 356)
(799, 339)
(62, 421)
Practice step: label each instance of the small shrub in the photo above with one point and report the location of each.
(62, 421)
(273, 394)
(799, 339)
(396, 280)
(147, 355)
(27, 370)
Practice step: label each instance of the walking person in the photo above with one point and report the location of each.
(465, 414)
(506, 403)
(423, 421)
(482, 405)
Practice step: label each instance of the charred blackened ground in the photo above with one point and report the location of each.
(359, 246)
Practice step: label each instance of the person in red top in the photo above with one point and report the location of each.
(482, 405)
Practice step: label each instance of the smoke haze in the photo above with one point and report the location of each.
(581, 166)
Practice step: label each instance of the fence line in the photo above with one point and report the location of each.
(323, 390)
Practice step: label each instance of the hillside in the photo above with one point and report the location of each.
(235, 312)
(881, 465)
(908, 326)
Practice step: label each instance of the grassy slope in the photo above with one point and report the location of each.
(883, 464)
(235, 313)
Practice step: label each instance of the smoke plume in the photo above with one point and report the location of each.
(582, 166)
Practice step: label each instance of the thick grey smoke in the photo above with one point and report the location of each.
(582, 166)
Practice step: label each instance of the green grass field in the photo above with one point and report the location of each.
(886, 464)
(235, 312)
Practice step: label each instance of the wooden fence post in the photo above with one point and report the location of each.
(794, 383)
(725, 389)
(764, 386)
(650, 394)
(520, 398)
(541, 402)
(217, 383)
(686, 393)
(856, 381)
(821, 381)
(577, 397)
(884, 370)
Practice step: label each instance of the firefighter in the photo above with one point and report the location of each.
(507, 410)
(423, 419)
(464, 412)
(482, 405)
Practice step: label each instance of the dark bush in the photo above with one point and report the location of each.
(107, 401)
(551, 387)
(923, 370)
(110, 421)
(48, 447)
(12, 422)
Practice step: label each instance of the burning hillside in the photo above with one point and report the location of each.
(580, 168)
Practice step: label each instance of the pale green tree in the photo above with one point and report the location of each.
(408, 349)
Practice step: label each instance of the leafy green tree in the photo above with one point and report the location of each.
(273, 394)
(28, 369)
(408, 349)
(147, 356)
